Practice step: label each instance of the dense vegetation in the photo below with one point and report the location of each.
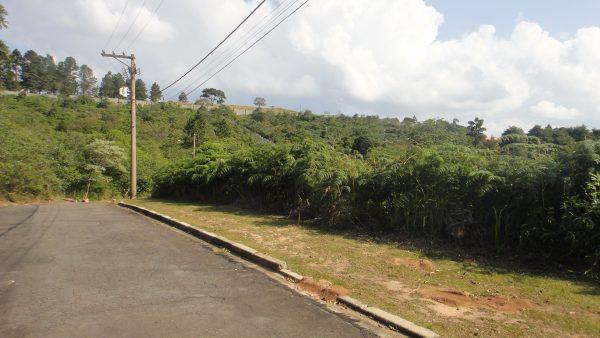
(537, 192)
(423, 179)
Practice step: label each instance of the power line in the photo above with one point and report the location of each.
(233, 49)
(243, 44)
(219, 45)
(146, 24)
(257, 41)
(118, 23)
(132, 23)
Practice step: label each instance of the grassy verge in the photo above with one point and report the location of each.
(373, 270)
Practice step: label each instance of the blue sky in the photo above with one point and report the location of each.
(556, 16)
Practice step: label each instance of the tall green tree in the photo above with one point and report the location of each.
(3, 19)
(476, 130)
(214, 95)
(513, 130)
(87, 81)
(68, 72)
(33, 72)
(183, 97)
(11, 70)
(260, 102)
(50, 74)
(119, 81)
(141, 93)
(5, 69)
(198, 125)
(104, 161)
(579, 133)
(155, 92)
(107, 86)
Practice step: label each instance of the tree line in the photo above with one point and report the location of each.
(37, 73)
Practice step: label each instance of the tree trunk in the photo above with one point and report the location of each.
(87, 190)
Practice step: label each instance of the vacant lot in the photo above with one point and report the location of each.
(452, 292)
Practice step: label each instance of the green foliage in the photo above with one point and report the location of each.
(422, 179)
(214, 95)
(260, 102)
(183, 97)
(155, 92)
(476, 131)
(45, 146)
(141, 93)
(87, 81)
(362, 145)
(3, 19)
(513, 130)
(67, 76)
(512, 138)
(103, 164)
(109, 87)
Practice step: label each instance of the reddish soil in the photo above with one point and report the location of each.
(421, 264)
(469, 261)
(321, 289)
(462, 299)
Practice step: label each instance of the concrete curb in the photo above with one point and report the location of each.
(386, 318)
(237, 248)
(383, 317)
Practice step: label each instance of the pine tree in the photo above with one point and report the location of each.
(107, 86)
(67, 77)
(32, 73)
(5, 72)
(50, 74)
(15, 65)
(3, 15)
(183, 97)
(118, 82)
(87, 81)
(141, 93)
(155, 93)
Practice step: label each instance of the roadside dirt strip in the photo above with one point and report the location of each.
(278, 266)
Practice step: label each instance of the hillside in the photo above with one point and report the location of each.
(536, 192)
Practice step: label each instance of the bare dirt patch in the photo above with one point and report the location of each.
(470, 262)
(459, 299)
(397, 286)
(321, 289)
(421, 264)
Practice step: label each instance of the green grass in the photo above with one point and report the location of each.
(564, 304)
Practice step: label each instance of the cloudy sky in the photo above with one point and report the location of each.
(510, 62)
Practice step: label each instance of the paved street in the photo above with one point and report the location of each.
(96, 270)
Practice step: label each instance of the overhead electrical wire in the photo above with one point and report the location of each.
(219, 45)
(117, 25)
(146, 24)
(232, 49)
(226, 50)
(132, 23)
(256, 42)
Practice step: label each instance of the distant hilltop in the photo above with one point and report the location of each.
(237, 109)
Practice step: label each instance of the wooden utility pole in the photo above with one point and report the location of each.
(132, 73)
(194, 145)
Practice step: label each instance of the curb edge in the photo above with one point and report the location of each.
(276, 265)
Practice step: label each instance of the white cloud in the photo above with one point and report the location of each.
(360, 56)
(550, 110)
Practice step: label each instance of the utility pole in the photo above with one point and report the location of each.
(194, 146)
(132, 73)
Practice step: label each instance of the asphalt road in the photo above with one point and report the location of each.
(96, 270)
